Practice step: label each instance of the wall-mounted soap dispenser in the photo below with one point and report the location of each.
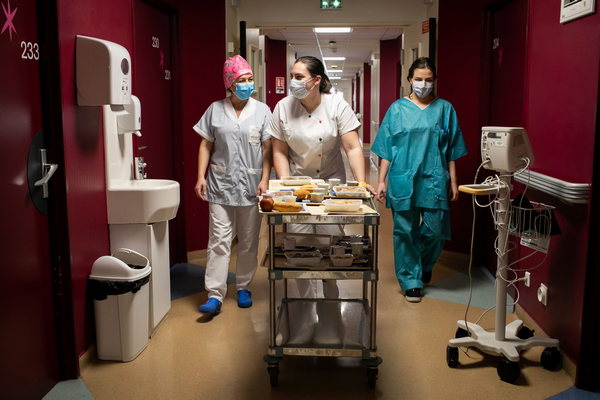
(103, 72)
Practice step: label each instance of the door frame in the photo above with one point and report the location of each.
(60, 254)
(177, 112)
(588, 369)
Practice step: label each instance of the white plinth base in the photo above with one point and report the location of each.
(510, 346)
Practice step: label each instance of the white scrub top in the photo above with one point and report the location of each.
(314, 139)
(235, 168)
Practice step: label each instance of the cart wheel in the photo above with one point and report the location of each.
(372, 376)
(508, 371)
(273, 374)
(551, 358)
(452, 356)
(460, 333)
(525, 333)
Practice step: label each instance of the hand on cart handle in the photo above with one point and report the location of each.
(368, 187)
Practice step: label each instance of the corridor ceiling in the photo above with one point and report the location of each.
(356, 45)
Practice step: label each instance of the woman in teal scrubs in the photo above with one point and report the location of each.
(418, 143)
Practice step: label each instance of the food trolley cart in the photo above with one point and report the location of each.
(306, 326)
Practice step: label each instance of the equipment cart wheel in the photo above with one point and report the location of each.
(273, 374)
(452, 356)
(551, 358)
(525, 333)
(461, 333)
(372, 376)
(508, 371)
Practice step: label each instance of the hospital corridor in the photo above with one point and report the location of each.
(315, 199)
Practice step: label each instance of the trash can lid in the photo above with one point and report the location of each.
(123, 265)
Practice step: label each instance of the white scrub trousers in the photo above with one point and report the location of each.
(220, 231)
(308, 288)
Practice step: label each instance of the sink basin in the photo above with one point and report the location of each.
(142, 201)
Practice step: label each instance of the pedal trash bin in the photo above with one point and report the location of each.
(119, 287)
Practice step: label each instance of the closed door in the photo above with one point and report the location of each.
(28, 344)
(152, 67)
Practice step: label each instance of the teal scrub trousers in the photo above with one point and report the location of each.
(417, 245)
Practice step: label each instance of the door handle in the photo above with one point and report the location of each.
(47, 171)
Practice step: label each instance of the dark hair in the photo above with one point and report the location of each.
(421, 63)
(316, 68)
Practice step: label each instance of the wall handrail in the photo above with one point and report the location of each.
(567, 192)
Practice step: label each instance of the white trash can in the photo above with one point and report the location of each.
(119, 287)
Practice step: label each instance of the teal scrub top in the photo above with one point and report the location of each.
(419, 144)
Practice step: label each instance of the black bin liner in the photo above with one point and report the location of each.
(101, 289)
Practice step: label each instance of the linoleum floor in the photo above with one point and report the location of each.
(195, 357)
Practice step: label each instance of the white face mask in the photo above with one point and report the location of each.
(298, 88)
(422, 88)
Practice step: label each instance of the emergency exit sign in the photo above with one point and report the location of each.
(330, 4)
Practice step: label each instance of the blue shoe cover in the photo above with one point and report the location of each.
(244, 299)
(212, 306)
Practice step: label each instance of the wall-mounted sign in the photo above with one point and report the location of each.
(425, 27)
(279, 84)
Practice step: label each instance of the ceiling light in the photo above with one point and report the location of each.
(334, 58)
(335, 71)
(333, 30)
(335, 77)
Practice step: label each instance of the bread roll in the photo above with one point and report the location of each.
(302, 194)
(308, 187)
(287, 207)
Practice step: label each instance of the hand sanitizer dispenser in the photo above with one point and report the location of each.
(132, 121)
(103, 71)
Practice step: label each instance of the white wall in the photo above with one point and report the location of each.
(361, 105)
(232, 30)
(415, 39)
(288, 13)
(375, 74)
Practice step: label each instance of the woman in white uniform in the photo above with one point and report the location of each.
(233, 129)
(308, 130)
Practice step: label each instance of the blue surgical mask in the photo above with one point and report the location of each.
(243, 91)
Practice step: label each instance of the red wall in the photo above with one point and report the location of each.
(389, 83)
(276, 66)
(366, 121)
(203, 55)
(357, 105)
(83, 139)
(560, 117)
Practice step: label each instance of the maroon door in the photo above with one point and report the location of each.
(28, 344)
(508, 66)
(152, 68)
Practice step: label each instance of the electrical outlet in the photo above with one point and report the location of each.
(527, 279)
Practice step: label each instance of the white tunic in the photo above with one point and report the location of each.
(314, 139)
(235, 168)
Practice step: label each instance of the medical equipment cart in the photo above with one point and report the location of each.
(324, 327)
(507, 150)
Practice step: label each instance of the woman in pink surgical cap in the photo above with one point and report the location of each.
(236, 151)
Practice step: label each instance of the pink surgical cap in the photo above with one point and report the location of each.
(234, 68)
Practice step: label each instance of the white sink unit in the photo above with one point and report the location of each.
(138, 209)
(142, 201)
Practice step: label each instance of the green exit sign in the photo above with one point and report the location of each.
(330, 4)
